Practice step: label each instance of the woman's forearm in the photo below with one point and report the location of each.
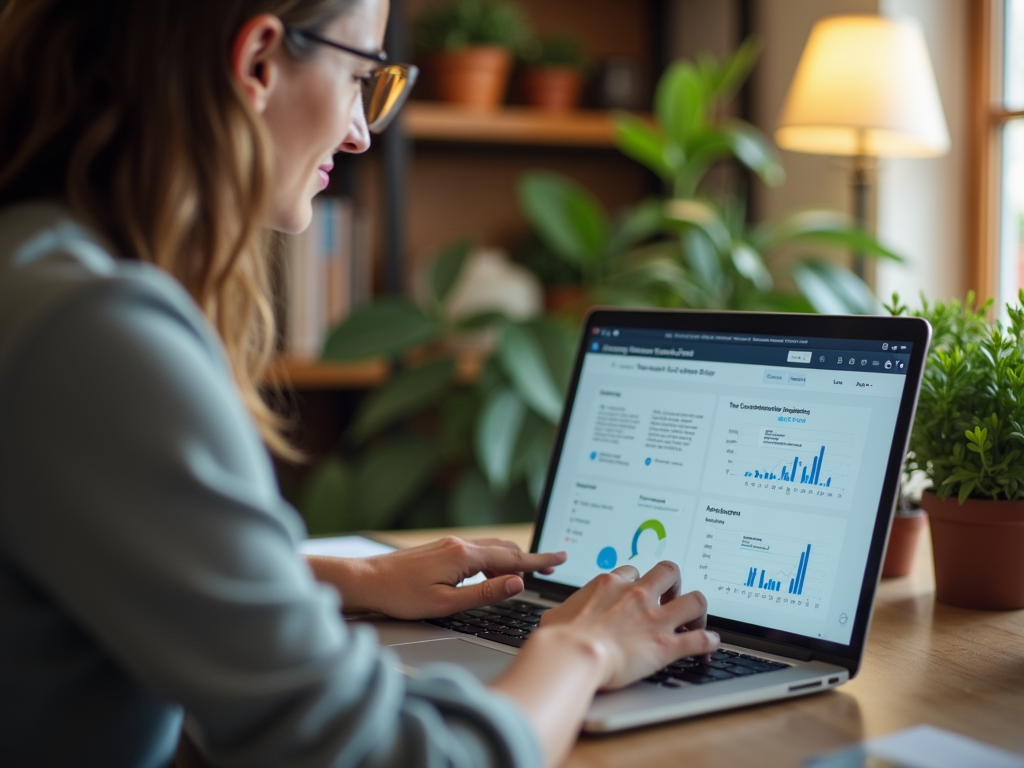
(352, 577)
(553, 680)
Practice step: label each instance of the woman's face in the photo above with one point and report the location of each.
(315, 110)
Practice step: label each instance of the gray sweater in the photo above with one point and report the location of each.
(147, 560)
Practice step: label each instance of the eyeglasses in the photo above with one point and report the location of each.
(384, 90)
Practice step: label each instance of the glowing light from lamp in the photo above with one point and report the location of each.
(864, 86)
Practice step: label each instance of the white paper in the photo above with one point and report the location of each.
(344, 546)
(925, 746)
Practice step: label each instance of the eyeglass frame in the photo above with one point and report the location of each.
(381, 57)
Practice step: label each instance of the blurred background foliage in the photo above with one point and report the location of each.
(439, 445)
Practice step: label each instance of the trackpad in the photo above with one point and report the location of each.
(485, 663)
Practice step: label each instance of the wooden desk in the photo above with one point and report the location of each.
(925, 663)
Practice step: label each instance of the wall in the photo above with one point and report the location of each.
(922, 204)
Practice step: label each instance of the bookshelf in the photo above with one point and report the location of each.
(511, 125)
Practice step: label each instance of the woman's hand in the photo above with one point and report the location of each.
(638, 624)
(421, 582)
(615, 630)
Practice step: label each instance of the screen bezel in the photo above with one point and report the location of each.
(913, 331)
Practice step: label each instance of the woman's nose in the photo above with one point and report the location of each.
(358, 137)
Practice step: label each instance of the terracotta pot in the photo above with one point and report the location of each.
(559, 297)
(979, 551)
(553, 89)
(474, 77)
(903, 540)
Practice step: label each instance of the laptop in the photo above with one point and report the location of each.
(761, 453)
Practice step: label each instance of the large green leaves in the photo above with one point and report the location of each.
(833, 289)
(497, 431)
(328, 497)
(391, 475)
(681, 101)
(406, 393)
(522, 361)
(822, 227)
(387, 327)
(567, 217)
(446, 268)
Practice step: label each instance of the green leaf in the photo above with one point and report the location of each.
(390, 475)
(703, 216)
(830, 228)
(522, 361)
(749, 263)
(568, 218)
(702, 259)
(496, 434)
(637, 224)
(639, 140)
(680, 102)
(387, 327)
(755, 151)
(445, 270)
(832, 289)
(406, 393)
(473, 502)
(736, 69)
(327, 498)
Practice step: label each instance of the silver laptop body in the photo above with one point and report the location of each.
(762, 454)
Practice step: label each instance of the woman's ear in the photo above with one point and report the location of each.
(253, 58)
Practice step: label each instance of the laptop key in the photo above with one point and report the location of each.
(497, 637)
(740, 671)
(694, 677)
(467, 630)
(717, 674)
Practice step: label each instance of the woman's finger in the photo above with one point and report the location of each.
(689, 611)
(497, 559)
(628, 572)
(663, 579)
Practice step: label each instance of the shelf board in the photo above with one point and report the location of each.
(301, 373)
(434, 121)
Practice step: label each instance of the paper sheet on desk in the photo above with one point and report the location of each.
(357, 546)
(923, 746)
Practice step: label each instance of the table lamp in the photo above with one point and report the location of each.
(864, 88)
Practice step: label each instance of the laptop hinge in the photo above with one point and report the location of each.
(767, 646)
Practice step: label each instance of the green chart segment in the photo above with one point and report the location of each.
(608, 557)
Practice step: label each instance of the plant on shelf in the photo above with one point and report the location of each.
(553, 69)
(430, 448)
(968, 439)
(467, 48)
(698, 249)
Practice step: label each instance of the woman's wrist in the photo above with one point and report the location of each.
(356, 580)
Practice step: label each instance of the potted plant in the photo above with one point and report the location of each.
(908, 523)
(552, 76)
(968, 438)
(467, 48)
(694, 247)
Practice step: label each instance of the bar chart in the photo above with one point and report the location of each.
(779, 560)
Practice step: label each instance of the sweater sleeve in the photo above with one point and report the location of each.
(139, 496)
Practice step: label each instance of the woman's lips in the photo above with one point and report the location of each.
(324, 172)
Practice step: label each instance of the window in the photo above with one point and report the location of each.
(998, 148)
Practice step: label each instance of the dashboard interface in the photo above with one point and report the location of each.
(755, 463)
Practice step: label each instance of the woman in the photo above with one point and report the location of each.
(147, 561)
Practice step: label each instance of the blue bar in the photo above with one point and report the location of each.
(803, 476)
(803, 575)
(796, 463)
(760, 584)
(821, 460)
(828, 482)
(814, 471)
(791, 586)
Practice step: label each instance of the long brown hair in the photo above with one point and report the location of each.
(129, 112)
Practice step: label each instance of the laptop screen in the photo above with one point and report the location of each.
(754, 461)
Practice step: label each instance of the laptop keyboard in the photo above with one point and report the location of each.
(510, 623)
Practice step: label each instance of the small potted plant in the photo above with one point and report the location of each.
(968, 438)
(908, 523)
(552, 76)
(467, 48)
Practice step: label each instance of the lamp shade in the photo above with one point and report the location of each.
(864, 86)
